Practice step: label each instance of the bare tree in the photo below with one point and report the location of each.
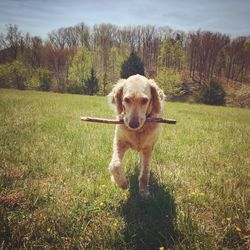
(203, 51)
(238, 52)
(11, 41)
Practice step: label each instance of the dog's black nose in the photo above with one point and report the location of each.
(134, 124)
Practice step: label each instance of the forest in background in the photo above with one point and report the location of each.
(70, 57)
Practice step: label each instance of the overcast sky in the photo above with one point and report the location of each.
(42, 16)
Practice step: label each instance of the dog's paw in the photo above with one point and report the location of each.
(144, 190)
(145, 194)
(124, 183)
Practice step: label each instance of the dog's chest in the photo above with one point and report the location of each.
(139, 140)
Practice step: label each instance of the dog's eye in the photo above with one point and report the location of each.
(127, 100)
(144, 101)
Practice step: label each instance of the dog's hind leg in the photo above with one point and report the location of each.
(145, 156)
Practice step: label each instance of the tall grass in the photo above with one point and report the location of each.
(55, 189)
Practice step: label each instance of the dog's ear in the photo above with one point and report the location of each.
(158, 98)
(116, 95)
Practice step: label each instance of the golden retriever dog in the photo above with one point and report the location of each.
(135, 99)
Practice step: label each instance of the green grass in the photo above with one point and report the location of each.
(55, 188)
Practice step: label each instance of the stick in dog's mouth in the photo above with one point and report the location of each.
(112, 121)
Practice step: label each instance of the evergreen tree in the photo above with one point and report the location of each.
(212, 93)
(132, 66)
(91, 84)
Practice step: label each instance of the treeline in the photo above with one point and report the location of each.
(72, 59)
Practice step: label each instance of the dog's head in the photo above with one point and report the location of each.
(135, 99)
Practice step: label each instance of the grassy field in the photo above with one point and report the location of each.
(56, 193)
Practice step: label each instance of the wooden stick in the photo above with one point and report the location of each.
(112, 121)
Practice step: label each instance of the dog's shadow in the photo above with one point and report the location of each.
(150, 222)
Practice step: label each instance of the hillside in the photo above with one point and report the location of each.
(55, 188)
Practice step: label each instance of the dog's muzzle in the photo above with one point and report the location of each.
(134, 124)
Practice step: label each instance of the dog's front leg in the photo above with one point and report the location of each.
(115, 166)
(145, 156)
